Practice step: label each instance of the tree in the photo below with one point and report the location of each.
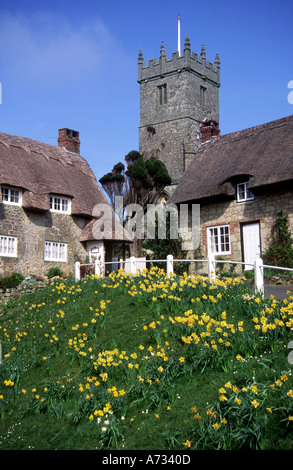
(113, 183)
(138, 182)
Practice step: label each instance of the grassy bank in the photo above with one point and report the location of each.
(146, 362)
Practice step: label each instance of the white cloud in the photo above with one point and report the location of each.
(46, 47)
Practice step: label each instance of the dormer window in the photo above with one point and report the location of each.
(244, 194)
(11, 196)
(60, 204)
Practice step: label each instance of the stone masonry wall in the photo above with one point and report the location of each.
(32, 229)
(174, 143)
(264, 208)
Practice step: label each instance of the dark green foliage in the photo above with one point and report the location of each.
(119, 167)
(139, 182)
(118, 177)
(54, 271)
(132, 156)
(11, 281)
(137, 171)
(106, 178)
(280, 251)
(158, 172)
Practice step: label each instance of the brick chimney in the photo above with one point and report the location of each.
(69, 140)
(209, 129)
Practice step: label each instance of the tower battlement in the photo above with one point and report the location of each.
(176, 96)
(187, 61)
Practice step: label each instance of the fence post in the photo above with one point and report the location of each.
(132, 265)
(77, 271)
(258, 275)
(211, 268)
(97, 268)
(169, 265)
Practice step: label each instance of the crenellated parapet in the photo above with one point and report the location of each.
(187, 61)
(176, 96)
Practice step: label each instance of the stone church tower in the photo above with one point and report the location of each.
(176, 97)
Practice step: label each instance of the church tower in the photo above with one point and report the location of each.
(176, 97)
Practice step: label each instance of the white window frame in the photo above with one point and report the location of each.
(55, 251)
(8, 246)
(9, 194)
(216, 243)
(248, 195)
(58, 203)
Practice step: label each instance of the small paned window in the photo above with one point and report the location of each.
(55, 251)
(219, 239)
(11, 196)
(244, 194)
(60, 204)
(8, 246)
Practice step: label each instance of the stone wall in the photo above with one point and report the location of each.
(32, 229)
(26, 287)
(174, 143)
(264, 209)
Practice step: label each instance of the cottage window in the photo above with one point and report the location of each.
(60, 204)
(219, 239)
(11, 196)
(55, 251)
(244, 194)
(8, 246)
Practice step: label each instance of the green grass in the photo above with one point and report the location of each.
(165, 347)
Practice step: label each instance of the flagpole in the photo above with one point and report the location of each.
(179, 45)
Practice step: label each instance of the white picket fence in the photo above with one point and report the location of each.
(132, 265)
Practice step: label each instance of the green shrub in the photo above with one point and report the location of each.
(54, 271)
(11, 281)
(280, 251)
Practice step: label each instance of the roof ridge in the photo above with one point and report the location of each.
(260, 127)
(264, 151)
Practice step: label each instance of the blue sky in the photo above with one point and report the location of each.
(74, 64)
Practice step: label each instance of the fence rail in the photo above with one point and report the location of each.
(131, 265)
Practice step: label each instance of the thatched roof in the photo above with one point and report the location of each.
(42, 169)
(262, 155)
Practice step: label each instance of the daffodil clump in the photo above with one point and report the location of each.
(120, 354)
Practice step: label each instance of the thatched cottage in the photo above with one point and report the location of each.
(47, 198)
(242, 181)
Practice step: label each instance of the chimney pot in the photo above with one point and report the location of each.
(209, 129)
(69, 140)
